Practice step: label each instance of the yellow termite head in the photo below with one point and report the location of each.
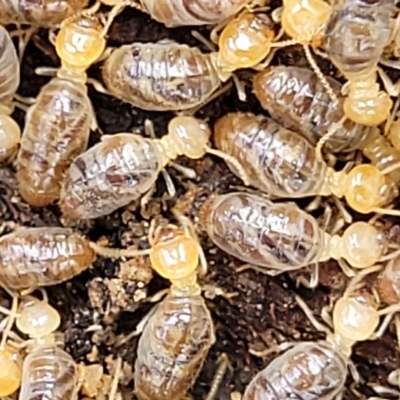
(37, 318)
(175, 255)
(189, 135)
(80, 42)
(355, 317)
(11, 371)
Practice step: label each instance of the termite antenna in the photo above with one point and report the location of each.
(11, 318)
(334, 128)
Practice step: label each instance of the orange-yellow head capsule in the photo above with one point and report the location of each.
(10, 371)
(80, 42)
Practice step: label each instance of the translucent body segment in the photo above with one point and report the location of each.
(9, 66)
(10, 371)
(45, 13)
(192, 12)
(160, 76)
(257, 231)
(356, 34)
(308, 371)
(278, 161)
(110, 175)
(10, 136)
(244, 42)
(57, 130)
(49, 373)
(296, 98)
(379, 150)
(35, 257)
(172, 348)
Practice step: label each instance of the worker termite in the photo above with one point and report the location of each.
(36, 257)
(58, 124)
(283, 163)
(184, 12)
(356, 35)
(45, 13)
(10, 133)
(318, 370)
(124, 167)
(179, 333)
(47, 371)
(297, 99)
(280, 237)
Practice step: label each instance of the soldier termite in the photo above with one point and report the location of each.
(10, 133)
(37, 257)
(58, 124)
(280, 237)
(283, 163)
(356, 35)
(318, 370)
(124, 167)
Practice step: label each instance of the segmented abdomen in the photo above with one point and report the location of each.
(9, 67)
(172, 348)
(357, 33)
(297, 99)
(49, 373)
(255, 230)
(308, 371)
(35, 257)
(160, 76)
(188, 12)
(110, 175)
(56, 131)
(43, 13)
(278, 161)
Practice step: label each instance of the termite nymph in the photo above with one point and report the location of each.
(283, 163)
(35, 257)
(58, 124)
(10, 133)
(124, 167)
(173, 13)
(45, 13)
(179, 334)
(318, 370)
(356, 35)
(282, 237)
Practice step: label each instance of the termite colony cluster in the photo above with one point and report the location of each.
(275, 128)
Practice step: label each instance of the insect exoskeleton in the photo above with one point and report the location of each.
(45, 13)
(11, 370)
(161, 76)
(356, 35)
(177, 337)
(58, 125)
(245, 226)
(124, 167)
(298, 100)
(10, 133)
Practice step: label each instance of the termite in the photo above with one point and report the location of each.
(58, 125)
(45, 13)
(37, 257)
(10, 133)
(281, 237)
(318, 370)
(296, 99)
(183, 12)
(356, 35)
(283, 163)
(47, 371)
(124, 167)
(179, 334)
